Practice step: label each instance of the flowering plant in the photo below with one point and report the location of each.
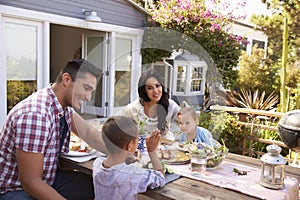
(202, 30)
(141, 125)
(141, 121)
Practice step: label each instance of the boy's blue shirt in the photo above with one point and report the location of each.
(202, 135)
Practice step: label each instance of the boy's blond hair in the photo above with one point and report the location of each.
(188, 111)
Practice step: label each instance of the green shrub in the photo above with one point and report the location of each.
(224, 126)
(18, 90)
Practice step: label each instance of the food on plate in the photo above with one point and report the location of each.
(180, 156)
(166, 141)
(194, 147)
(182, 147)
(164, 154)
(167, 169)
(76, 144)
(173, 156)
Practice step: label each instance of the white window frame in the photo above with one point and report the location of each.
(189, 65)
(46, 19)
(42, 71)
(101, 111)
(135, 70)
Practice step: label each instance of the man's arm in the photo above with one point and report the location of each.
(88, 133)
(30, 168)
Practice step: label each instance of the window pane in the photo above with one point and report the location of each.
(21, 60)
(196, 79)
(243, 45)
(123, 72)
(260, 44)
(181, 78)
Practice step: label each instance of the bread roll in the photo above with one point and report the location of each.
(74, 146)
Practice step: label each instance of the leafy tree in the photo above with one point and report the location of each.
(255, 73)
(272, 26)
(196, 29)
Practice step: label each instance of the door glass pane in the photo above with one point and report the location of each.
(95, 56)
(21, 62)
(164, 72)
(123, 72)
(181, 78)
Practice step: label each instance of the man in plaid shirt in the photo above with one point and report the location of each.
(34, 135)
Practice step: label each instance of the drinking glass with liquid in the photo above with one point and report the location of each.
(198, 162)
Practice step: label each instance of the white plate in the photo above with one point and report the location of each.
(184, 148)
(77, 153)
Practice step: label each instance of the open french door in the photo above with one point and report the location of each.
(95, 50)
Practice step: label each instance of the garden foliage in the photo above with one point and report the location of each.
(190, 25)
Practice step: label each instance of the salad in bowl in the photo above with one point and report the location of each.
(215, 154)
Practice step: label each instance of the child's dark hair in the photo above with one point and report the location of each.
(118, 131)
(188, 111)
(77, 68)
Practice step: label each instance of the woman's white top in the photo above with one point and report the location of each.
(135, 110)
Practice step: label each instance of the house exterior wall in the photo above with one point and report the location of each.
(248, 31)
(117, 12)
(43, 15)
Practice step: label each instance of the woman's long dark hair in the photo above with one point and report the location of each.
(164, 100)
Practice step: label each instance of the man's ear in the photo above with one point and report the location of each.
(66, 79)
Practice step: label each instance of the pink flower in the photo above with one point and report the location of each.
(215, 27)
(177, 19)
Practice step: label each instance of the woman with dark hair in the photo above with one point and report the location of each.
(153, 109)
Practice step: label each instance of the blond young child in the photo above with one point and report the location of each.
(113, 178)
(187, 122)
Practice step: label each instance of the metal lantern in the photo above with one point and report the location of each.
(272, 173)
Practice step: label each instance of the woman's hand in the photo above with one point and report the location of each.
(152, 141)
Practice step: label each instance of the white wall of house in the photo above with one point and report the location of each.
(42, 21)
(247, 30)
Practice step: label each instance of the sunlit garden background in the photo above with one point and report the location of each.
(267, 81)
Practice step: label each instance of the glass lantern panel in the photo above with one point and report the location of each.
(279, 174)
(267, 173)
(267, 170)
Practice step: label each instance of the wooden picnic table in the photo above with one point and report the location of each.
(186, 188)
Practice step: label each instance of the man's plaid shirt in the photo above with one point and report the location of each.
(32, 126)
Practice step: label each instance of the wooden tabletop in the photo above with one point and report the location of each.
(185, 188)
